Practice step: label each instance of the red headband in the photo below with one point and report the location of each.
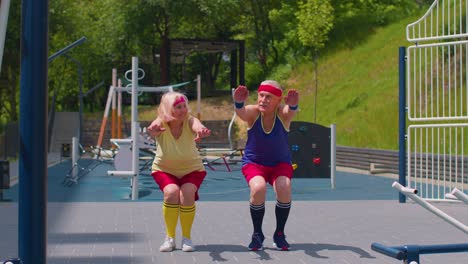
(179, 100)
(271, 89)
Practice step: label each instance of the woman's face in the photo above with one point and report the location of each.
(180, 111)
(267, 102)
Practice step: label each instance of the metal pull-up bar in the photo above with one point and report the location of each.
(66, 49)
(411, 193)
(411, 253)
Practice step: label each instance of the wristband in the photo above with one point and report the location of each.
(293, 107)
(239, 105)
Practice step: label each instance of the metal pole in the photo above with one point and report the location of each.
(80, 98)
(32, 216)
(75, 157)
(402, 121)
(316, 87)
(411, 193)
(459, 195)
(66, 49)
(199, 96)
(119, 111)
(333, 155)
(231, 124)
(135, 129)
(114, 111)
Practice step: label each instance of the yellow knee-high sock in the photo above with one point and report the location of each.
(171, 215)
(187, 215)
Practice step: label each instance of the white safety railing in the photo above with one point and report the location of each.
(437, 100)
(443, 20)
(437, 159)
(437, 77)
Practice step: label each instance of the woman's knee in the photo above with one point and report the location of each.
(187, 194)
(171, 193)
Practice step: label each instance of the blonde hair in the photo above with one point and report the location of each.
(166, 106)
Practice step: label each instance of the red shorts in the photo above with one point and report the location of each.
(270, 174)
(164, 178)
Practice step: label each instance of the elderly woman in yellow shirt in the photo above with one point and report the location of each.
(177, 167)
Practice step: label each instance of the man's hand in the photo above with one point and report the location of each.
(241, 93)
(292, 98)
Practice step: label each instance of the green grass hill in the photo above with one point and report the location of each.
(357, 89)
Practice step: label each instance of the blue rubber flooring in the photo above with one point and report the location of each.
(94, 185)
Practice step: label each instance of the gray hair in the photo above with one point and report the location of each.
(272, 83)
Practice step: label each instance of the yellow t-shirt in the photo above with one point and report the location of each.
(179, 156)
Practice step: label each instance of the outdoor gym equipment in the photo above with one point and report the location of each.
(313, 150)
(134, 141)
(410, 253)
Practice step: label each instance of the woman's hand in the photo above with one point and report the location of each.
(202, 133)
(155, 129)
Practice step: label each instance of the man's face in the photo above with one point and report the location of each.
(267, 102)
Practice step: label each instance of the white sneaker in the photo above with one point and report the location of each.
(187, 245)
(168, 245)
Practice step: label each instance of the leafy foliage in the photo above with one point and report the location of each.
(279, 35)
(315, 22)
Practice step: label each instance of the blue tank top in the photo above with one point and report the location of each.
(267, 148)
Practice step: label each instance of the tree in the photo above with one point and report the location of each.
(315, 21)
(213, 20)
(11, 66)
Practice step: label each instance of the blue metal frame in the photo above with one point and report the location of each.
(32, 229)
(409, 253)
(13, 261)
(402, 120)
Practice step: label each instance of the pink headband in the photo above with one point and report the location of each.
(179, 100)
(271, 89)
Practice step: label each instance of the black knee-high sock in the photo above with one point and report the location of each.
(257, 212)
(282, 213)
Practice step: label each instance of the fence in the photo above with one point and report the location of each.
(437, 99)
(425, 166)
(372, 160)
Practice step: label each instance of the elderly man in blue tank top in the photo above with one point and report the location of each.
(267, 158)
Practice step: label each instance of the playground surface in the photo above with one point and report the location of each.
(95, 221)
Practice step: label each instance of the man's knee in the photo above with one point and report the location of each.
(283, 187)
